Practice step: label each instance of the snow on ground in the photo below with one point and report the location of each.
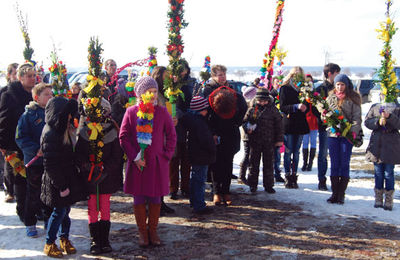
(359, 204)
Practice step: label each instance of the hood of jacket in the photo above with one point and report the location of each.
(57, 111)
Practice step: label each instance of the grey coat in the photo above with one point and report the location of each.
(384, 145)
(350, 111)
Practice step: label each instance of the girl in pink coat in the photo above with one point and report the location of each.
(147, 179)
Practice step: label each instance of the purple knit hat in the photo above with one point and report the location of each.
(249, 92)
(144, 84)
(198, 103)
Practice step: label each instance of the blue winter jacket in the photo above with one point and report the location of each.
(29, 130)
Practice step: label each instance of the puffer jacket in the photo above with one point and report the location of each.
(60, 170)
(29, 130)
(384, 145)
(350, 111)
(268, 122)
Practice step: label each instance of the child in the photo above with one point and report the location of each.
(263, 124)
(147, 179)
(202, 151)
(61, 185)
(29, 130)
(384, 149)
(109, 181)
(346, 100)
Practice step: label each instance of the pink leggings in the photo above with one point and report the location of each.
(137, 200)
(93, 213)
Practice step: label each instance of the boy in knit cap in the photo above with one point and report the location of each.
(202, 151)
(263, 124)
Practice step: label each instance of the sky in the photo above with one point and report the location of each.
(232, 32)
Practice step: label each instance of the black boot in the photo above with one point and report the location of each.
(288, 181)
(305, 159)
(94, 229)
(335, 189)
(165, 209)
(311, 159)
(322, 185)
(342, 189)
(104, 233)
(294, 179)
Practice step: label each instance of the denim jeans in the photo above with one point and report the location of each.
(197, 186)
(277, 161)
(60, 222)
(340, 152)
(384, 172)
(311, 139)
(292, 146)
(322, 154)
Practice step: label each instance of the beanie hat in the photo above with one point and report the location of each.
(344, 79)
(144, 84)
(198, 103)
(262, 93)
(249, 92)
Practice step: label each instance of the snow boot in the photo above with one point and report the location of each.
(104, 234)
(94, 230)
(288, 181)
(154, 215)
(52, 250)
(305, 159)
(388, 200)
(141, 216)
(335, 188)
(378, 198)
(294, 181)
(66, 246)
(344, 181)
(322, 185)
(311, 159)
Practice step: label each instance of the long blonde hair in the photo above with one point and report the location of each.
(294, 71)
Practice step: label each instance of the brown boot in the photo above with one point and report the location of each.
(217, 200)
(66, 246)
(141, 216)
(154, 215)
(52, 250)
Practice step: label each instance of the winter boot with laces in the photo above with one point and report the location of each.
(66, 246)
(52, 250)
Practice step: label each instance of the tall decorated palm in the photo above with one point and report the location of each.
(174, 81)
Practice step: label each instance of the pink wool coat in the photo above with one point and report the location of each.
(153, 181)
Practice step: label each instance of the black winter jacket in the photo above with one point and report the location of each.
(294, 121)
(202, 148)
(268, 122)
(181, 108)
(59, 161)
(12, 106)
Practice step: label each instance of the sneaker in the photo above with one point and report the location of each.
(270, 190)
(66, 246)
(174, 196)
(9, 199)
(234, 177)
(52, 250)
(31, 231)
(206, 210)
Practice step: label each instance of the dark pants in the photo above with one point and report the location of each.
(2, 172)
(9, 179)
(33, 205)
(244, 164)
(179, 163)
(277, 161)
(59, 222)
(322, 154)
(222, 171)
(340, 153)
(198, 186)
(267, 153)
(292, 147)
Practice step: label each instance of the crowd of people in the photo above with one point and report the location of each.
(197, 145)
